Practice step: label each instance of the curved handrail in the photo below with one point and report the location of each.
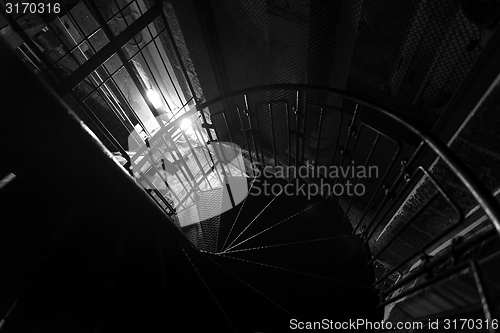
(478, 190)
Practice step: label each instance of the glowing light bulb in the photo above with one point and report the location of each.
(154, 98)
(185, 124)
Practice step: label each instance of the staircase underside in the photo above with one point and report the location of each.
(111, 276)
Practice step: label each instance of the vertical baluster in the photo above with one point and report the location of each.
(344, 151)
(206, 152)
(221, 161)
(261, 148)
(339, 127)
(241, 168)
(272, 133)
(377, 190)
(303, 114)
(319, 137)
(287, 111)
(298, 102)
(390, 194)
(243, 129)
(247, 113)
(372, 149)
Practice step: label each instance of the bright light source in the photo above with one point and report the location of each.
(154, 98)
(185, 124)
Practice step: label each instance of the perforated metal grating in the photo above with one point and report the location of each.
(209, 204)
(410, 55)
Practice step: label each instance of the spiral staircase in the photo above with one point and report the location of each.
(89, 244)
(110, 258)
(294, 271)
(276, 258)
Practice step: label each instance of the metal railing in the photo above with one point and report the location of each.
(274, 136)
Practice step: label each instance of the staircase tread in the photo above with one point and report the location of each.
(319, 298)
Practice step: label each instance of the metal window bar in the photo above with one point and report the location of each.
(178, 56)
(54, 72)
(153, 40)
(94, 119)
